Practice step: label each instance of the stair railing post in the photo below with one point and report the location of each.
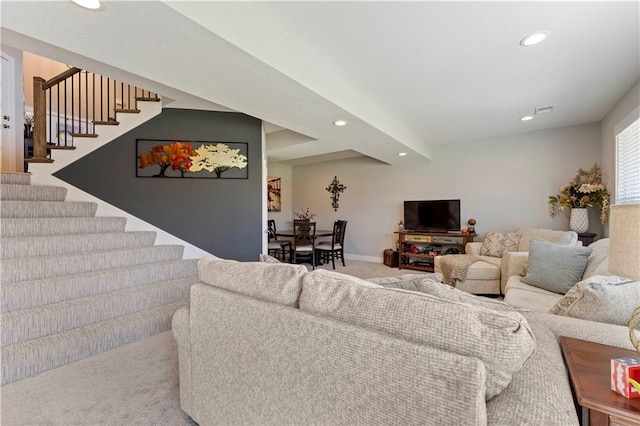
(39, 118)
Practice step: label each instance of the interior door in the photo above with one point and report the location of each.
(10, 158)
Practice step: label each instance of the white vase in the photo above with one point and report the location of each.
(579, 221)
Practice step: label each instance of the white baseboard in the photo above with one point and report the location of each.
(373, 259)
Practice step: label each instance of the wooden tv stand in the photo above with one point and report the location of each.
(417, 250)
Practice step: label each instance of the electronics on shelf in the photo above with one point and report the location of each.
(432, 216)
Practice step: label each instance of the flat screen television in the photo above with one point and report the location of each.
(432, 215)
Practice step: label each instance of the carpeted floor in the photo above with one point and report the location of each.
(135, 384)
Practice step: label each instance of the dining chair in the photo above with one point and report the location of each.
(277, 248)
(304, 241)
(335, 248)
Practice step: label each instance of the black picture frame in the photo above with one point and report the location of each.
(183, 159)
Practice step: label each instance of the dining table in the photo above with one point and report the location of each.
(319, 233)
(290, 232)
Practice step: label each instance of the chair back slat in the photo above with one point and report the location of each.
(336, 249)
(304, 232)
(339, 228)
(271, 229)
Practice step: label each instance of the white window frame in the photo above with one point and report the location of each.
(627, 141)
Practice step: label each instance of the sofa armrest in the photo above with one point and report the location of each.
(473, 248)
(180, 327)
(512, 263)
(598, 332)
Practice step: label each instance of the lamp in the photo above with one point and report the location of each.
(624, 254)
(624, 241)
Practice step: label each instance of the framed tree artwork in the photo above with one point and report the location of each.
(186, 159)
(274, 187)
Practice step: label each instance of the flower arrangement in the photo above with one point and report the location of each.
(585, 190)
(305, 214)
(28, 118)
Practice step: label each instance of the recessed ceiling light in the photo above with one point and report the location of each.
(88, 4)
(533, 39)
(340, 122)
(402, 154)
(526, 118)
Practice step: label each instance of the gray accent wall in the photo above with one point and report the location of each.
(220, 216)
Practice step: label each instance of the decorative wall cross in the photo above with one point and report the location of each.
(335, 188)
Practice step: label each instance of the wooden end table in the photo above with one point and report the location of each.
(589, 366)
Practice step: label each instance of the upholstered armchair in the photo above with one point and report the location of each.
(488, 268)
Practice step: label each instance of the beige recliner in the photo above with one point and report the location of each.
(489, 274)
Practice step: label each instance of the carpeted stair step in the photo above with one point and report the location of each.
(60, 245)
(32, 193)
(47, 209)
(28, 324)
(35, 356)
(25, 227)
(29, 294)
(23, 269)
(15, 178)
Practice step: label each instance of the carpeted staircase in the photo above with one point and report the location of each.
(74, 285)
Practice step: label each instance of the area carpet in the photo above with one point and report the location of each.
(135, 384)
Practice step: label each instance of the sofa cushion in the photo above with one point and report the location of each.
(496, 244)
(555, 267)
(405, 281)
(609, 299)
(501, 340)
(564, 238)
(525, 296)
(483, 270)
(274, 282)
(479, 286)
(598, 257)
(601, 269)
(447, 292)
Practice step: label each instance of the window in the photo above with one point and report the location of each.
(628, 164)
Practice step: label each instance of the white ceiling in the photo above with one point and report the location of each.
(406, 75)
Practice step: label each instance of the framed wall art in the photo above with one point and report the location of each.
(187, 159)
(274, 188)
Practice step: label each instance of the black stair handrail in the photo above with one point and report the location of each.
(73, 102)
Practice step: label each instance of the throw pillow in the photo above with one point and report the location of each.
(555, 267)
(496, 244)
(609, 299)
(274, 282)
(501, 340)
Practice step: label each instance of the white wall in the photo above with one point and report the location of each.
(503, 183)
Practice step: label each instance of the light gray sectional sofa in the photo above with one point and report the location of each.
(269, 343)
